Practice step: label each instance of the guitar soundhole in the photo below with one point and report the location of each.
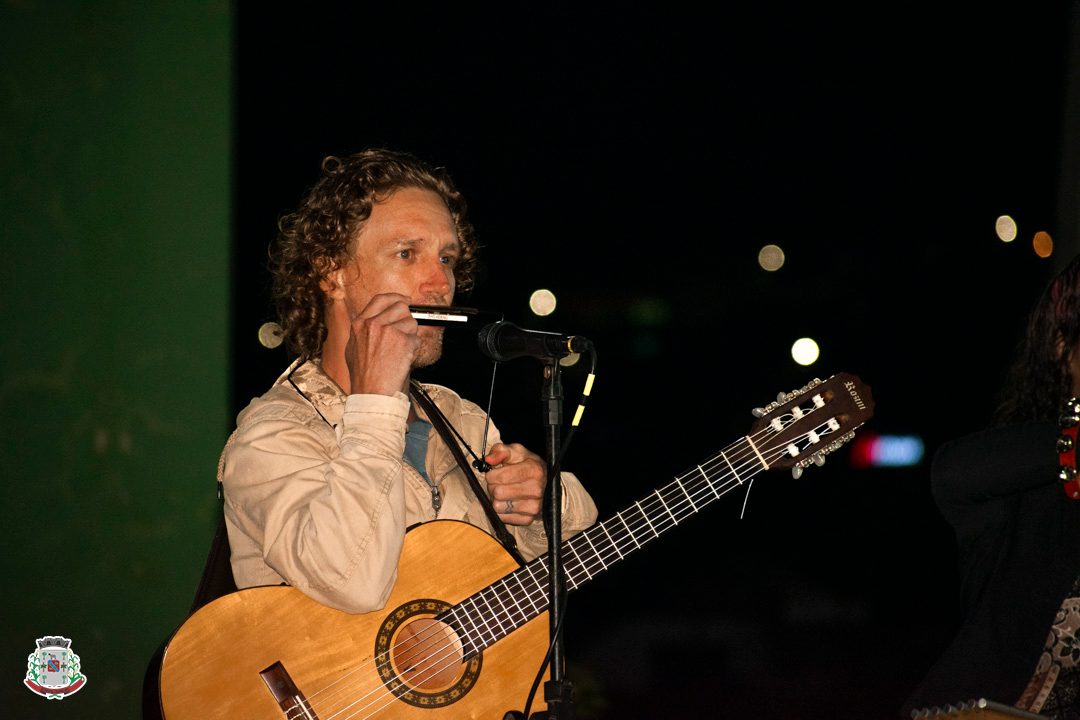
(420, 659)
(426, 654)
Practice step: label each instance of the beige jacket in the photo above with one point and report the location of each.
(317, 494)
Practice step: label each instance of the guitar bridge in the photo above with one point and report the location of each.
(285, 692)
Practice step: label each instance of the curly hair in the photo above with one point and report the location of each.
(1039, 380)
(319, 237)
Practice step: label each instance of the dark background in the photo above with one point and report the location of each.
(634, 160)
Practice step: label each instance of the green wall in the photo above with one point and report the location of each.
(114, 217)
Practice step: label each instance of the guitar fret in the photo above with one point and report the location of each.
(468, 645)
(543, 575)
(753, 447)
(517, 577)
(733, 471)
(603, 526)
(647, 520)
(577, 559)
(521, 613)
(498, 599)
(538, 584)
(657, 493)
(709, 482)
(476, 636)
(517, 614)
(628, 530)
(500, 618)
(494, 623)
(703, 491)
(687, 494)
(597, 554)
(483, 619)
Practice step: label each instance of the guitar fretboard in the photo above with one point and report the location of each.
(507, 604)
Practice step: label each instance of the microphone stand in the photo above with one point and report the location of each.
(558, 693)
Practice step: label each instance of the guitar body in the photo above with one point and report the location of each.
(211, 666)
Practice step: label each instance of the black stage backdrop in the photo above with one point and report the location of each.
(634, 160)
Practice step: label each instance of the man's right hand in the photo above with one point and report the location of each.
(383, 342)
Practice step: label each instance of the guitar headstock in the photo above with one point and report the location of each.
(803, 426)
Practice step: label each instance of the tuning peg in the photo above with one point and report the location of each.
(819, 459)
(758, 412)
(781, 397)
(796, 472)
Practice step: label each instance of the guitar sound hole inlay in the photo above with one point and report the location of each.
(419, 658)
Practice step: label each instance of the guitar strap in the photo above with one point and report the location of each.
(447, 433)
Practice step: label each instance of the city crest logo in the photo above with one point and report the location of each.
(53, 669)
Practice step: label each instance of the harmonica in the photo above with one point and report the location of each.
(442, 314)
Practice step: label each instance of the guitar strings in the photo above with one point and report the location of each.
(745, 460)
(451, 650)
(451, 654)
(706, 492)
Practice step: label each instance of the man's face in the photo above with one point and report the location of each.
(409, 246)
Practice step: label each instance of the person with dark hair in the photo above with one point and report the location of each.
(1017, 526)
(326, 471)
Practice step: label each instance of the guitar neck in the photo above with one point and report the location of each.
(797, 429)
(509, 603)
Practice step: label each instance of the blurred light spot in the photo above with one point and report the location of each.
(650, 312)
(771, 258)
(1043, 244)
(1005, 228)
(870, 450)
(805, 351)
(271, 335)
(570, 360)
(542, 302)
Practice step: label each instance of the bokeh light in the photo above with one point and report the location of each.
(771, 258)
(542, 302)
(872, 450)
(805, 351)
(1005, 227)
(1043, 244)
(270, 335)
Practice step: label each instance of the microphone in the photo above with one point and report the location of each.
(505, 341)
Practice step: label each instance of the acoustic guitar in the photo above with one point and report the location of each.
(464, 630)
